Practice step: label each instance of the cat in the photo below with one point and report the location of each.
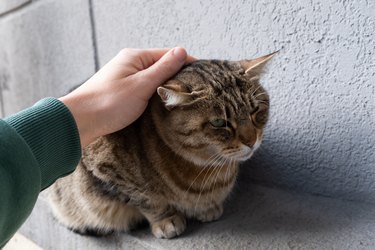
(179, 160)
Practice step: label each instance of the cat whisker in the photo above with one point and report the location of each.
(219, 159)
(216, 177)
(214, 182)
(211, 159)
(199, 196)
(215, 172)
(230, 166)
(253, 92)
(205, 181)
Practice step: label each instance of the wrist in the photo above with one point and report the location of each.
(82, 111)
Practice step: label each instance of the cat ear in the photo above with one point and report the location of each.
(174, 94)
(255, 66)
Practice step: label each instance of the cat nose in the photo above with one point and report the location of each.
(248, 136)
(250, 144)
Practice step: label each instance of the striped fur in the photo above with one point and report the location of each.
(172, 163)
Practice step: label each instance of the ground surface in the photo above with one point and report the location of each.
(256, 217)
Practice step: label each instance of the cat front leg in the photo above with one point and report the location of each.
(210, 214)
(166, 222)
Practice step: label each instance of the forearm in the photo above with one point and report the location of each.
(50, 131)
(37, 146)
(85, 113)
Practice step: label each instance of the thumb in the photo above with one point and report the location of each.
(162, 70)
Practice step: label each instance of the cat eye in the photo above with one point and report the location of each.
(218, 123)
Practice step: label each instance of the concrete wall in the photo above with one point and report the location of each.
(321, 134)
(45, 49)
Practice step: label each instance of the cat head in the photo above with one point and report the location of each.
(214, 110)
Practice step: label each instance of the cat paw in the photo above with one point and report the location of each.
(210, 214)
(169, 227)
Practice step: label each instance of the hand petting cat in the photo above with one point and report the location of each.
(119, 92)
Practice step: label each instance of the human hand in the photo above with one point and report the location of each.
(119, 92)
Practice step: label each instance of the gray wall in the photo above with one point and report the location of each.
(321, 134)
(45, 49)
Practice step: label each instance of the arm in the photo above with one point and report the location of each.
(42, 143)
(119, 92)
(37, 146)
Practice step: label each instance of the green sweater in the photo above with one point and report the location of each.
(37, 146)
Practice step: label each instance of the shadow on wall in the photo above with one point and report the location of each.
(323, 164)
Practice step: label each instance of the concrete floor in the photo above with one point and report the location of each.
(256, 217)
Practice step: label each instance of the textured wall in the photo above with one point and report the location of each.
(321, 134)
(45, 49)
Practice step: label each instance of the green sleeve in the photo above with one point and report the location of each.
(37, 146)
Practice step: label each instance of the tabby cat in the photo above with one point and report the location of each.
(178, 160)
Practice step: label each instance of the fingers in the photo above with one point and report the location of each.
(146, 57)
(168, 65)
(141, 59)
(156, 54)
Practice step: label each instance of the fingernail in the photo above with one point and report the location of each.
(180, 53)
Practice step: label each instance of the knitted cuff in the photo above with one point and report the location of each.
(50, 130)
